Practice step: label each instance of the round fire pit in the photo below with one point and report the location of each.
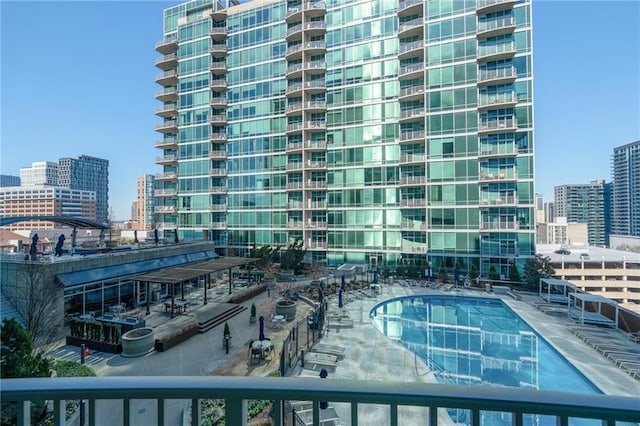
(137, 342)
(286, 308)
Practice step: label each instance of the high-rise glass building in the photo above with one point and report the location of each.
(89, 174)
(586, 203)
(625, 168)
(383, 132)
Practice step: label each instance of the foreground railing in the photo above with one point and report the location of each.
(237, 390)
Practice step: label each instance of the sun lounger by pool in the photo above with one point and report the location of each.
(632, 368)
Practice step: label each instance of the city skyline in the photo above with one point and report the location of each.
(117, 72)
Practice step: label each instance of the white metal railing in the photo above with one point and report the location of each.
(315, 144)
(481, 4)
(486, 100)
(495, 24)
(315, 45)
(293, 49)
(167, 58)
(413, 202)
(218, 31)
(496, 49)
(416, 134)
(497, 124)
(413, 90)
(403, 4)
(406, 47)
(410, 113)
(315, 25)
(413, 180)
(166, 158)
(408, 69)
(405, 26)
(294, 29)
(315, 84)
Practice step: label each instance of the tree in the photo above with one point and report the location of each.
(514, 274)
(443, 275)
(315, 269)
(19, 361)
(293, 255)
(37, 298)
(493, 274)
(473, 271)
(535, 268)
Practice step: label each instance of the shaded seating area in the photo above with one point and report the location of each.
(578, 311)
(553, 290)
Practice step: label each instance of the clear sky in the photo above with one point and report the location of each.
(77, 78)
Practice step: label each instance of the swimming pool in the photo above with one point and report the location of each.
(477, 341)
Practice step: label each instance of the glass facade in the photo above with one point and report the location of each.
(381, 131)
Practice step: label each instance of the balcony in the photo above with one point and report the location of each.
(167, 46)
(410, 7)
(316, 224)
(412, 136)
(218, 66)
(413, 202)
(218, 102)
(496, 52)
(497, 76)
(163, 209)
(167, 143)
(167, 110)
(218, 50)
(488, 6)
(499, 226)
(294, 146)
(413, 180)
(409, 49)
(295, 30)
(218, 119)
(315, 184)
(218, 33)
(411, 93)
(168, 126)
(316, 165)
(294, 185)
(218, 84)
(295, 205)
(413, 225)
(497, 151)
(315, 47)
(219, 14)
(172, 192)
(299, 165)
(411, 71)
(315, 86)
(496, 101)
(295, 224)
(315, 145)
(412, 114)
(294, 128)
(294, 89)
(167, 78)
(166, 176)
(294, 13)
(498, 176)
(294, 70)
(218, 137)
(315, 28)
(499, 125)
(411, 28)
(317, 245)
(294, 51)
(217, 225)
(496, 27)
(508, 200)
(322, 205)
(167, 159)
(496, 251)
(218, 171)
(413, 248)
(167, 62)
(218, 189)
(406, 159)
(218, 207)
(315, 67)
(217, 154)
(167, 94)
(316, 125)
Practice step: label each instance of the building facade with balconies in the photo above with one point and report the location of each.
(375, 132)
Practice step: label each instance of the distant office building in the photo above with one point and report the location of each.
(374, 132)
(625, 168)
(89, 174)
(9, 180)
(45, 201)
(549, 212)
(40, 173)
(134, 212)
(586, 203)
(539, 208)
(145, 202)
(562, 232)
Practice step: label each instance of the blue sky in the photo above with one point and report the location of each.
(78, 78)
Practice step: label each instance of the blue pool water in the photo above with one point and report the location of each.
(478, 341)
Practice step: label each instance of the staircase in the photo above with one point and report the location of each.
(220, 317)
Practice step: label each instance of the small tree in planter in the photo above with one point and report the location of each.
(252, 318)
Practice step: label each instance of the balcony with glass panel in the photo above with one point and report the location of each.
(410, 7)
(295, 166)
(413, 180)
(167, 159)
(411, 71)
(315, 47)
(316, 245)
(218, 84)
(406, 159)
(294, 13)
(166, 176)
(168, 45)
(294, 70)
(294, 32)
(497, 149)
(490, 199)
(167, 94)
(218, 66)
(315, 28)
(496, 224)
(413, 202)
(217, 188)
(411, 28)
(489, 6)
(218, 137)
(294, 89)
(411, 136)
(315, 67)
(218, 32)
(167, 78)
(218, 101)
(496, 27)
(497, 125)
(293, 128)
(167, 143)
(411, 93)
(294, 51)
(165, 192)
(495, 52)
(218, 50)
(165, 209)
(487, 77)
(412, 114)
(315, 145)
(218, 225)
(315, 86)
(218, 119)
(315, 184)
(168, 126)
(167, 110)
(411, 49)
(314, 8)
(496, 101)
(499, 175)
(315, 165)
(167, 62)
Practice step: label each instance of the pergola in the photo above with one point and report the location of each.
(583, 316)
(186, 273)
(548, 283)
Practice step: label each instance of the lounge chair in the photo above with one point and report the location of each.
(634, 337)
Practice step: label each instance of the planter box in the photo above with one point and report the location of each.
(286, 309)
(137, 342)
(111, 348)
(166, 342)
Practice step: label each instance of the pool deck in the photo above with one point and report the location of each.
(369, 355)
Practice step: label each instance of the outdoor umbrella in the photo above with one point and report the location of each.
(340, 304)
(375, 277)
(135, 236)
(342, 284)
(261, 336)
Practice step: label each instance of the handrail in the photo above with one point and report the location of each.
(237, 390)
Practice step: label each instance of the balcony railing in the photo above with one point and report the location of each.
(236, 391)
